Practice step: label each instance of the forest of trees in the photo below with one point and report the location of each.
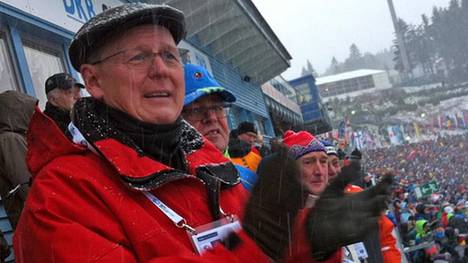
(437, 48)
(356, 60)
(439, 45)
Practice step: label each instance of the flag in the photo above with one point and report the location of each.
(450, 121)
(460, 121)
(393, 136)
(417, 130)
(465, 117)
(433, 122)
(455, 120)
(397, 129)
(341, 129)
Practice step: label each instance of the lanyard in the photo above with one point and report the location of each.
(179, 221)
(171, 214)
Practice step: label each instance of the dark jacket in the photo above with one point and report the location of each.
(60, 116)
(17, 109)
(459, 222)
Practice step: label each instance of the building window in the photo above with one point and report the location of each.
(233, 115)
(260, 124)
(42, 64)
(184, 56)
(303, 94)
(7, 76)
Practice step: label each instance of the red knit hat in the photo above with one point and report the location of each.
(302, 143)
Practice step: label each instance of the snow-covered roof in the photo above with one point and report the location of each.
(347, 75)
(236, 33)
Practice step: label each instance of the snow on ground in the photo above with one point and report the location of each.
(423, 87)
(450, 106)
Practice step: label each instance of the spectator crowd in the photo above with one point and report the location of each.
(437, 218)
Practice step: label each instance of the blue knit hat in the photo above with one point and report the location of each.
(199, 83)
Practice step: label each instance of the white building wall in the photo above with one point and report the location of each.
(381, 81)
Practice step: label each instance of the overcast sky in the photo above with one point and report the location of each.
(320, 29)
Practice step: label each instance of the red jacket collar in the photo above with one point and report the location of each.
(144, 173)
(47, 142)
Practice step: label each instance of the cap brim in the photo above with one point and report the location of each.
(225, 95)
(79, 85)
(119, 19)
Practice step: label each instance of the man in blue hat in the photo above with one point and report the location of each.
(205, 108)
(206, 104)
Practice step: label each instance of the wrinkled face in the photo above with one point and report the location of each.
(213, 126)
(65, 99)
(248, 137)
(314, 168)
(334, 167)
(137, 75)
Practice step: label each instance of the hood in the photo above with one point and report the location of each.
(420, 226)
(46, 142)
(17, 109)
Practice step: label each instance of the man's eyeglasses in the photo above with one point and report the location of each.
(140, 59)
(201, 113)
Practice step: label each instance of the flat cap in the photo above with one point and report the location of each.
(119, 19)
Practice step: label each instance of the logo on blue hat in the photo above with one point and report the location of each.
(199, 83)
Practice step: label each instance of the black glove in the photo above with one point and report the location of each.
(340, 219)
(4, 248)
(275, 200)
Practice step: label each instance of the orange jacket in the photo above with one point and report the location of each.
(251, 161)
(388, 243)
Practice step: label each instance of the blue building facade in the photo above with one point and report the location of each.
(314, 113)
(250, 104)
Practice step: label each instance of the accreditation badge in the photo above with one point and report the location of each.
(206, 236)
(360, 250)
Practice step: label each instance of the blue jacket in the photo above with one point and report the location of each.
(248, 177)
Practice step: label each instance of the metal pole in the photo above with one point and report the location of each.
(400, 40)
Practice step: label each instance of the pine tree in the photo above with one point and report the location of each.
(355, 60)
(354, 52)
(334, 66)
(310, 69)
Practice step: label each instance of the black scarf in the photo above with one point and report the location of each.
(60, 116)
(160, 142)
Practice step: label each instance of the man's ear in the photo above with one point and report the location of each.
(91, 79)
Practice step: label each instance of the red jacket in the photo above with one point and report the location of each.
(300, 249)
(80, 208)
